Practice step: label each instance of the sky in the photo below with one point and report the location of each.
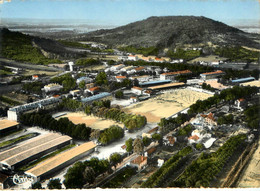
(121, 12)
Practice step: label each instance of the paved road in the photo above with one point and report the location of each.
(13, 63)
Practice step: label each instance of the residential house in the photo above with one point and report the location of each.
(138, 69)
(240, 103)
(35, 77)
(52, 87)
(132, 58)
(160, 60)
(211, 75)
(137, 90)
(160, 162)
(143, 78)
(169, 140)
(209, 119)
(147, 92)
(93, 90)
(75, 92)
(90, 85)
(117, 67)
(134, 99)
(140, 162)
(172, 75)
(120, 78)
(166, 59)
(85, 79)
(193, 139)
(150, 151)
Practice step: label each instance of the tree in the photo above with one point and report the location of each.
(129, 145)
(95, 134)
(82, 84)
(89, 175)
(114, 159)
(199, 146)
(37, 185)
(156, 136)
(54, 184)
(119, 94)
(74, 176)
(146, 141)
(138, 146)
(101, 79)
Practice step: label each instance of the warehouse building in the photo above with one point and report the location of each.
(167, 86)
(154, 83)
(60, 161)
(22, 154)
(211, 75)
(242, 80)
(14, 112)
(7, 126)
(172, 75)
(103, 95)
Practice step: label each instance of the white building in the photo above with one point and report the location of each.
(137, 90)
(117, 67)
(211, 75)
(86, 79)
(74, 92)
(132, 58)
(143, 78)
(52, 87)
(172, 75)
(120, 78)
(71, 64)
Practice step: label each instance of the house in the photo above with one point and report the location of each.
(137, 90)
(127, 68)
(166, 59)
(132, 58)
(240, 103)
(120, 78)
(147, 92)
(147, 59)
(89, 85)
(150, 132)
(209, 119)
(211, 75)
(172, 75)
(150, 151)
(138, 69)
(158, 60)
(170, 140)
(74, 92)
(117, 67)
(140, 162)
(160, 162)
(193, 139)
(140, 78)
(85, 79)
(134, 99)
(52, 87)
(35, 77)
(93, 90)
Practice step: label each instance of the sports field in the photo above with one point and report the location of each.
(166, 104)
(90, 121)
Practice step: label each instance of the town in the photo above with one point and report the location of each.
(136, 117)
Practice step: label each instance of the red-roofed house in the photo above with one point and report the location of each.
(120, 78)
(150, 151)
(193, 139)
(172, 75)
(134, 99)
(137, 90)
(138, 69)
(209, 118)
(139, 162)
(93, 90)
(240, 103)
(210, 75)
(158, 60)
(35, 77)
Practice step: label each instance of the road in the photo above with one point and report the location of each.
(13, 63)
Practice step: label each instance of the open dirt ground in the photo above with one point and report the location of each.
(251, 175)
(210, 58)
(90, 121)
(166, 104)
(253, 83)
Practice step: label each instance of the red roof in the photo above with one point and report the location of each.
(159, 59)
(139, 160)
(178, 72)
(138, 88)
(241, 99)
(134, 97)
(139, 68)
(194, 137)
(148, 91)
(35, 76)
(56, 96)
(216, 72)
(171, 139)
(123, 147)
(93, 89)
(120, 77)
(131, 56)
(151, 150)
(154, 129)
(210, 116)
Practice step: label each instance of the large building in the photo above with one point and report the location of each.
(154, 83)
(167, 86)
(85, 79)
(172, 75)
(211, 75)
(14, 112)
(14, 157)
(52, 87)
(7, 126)
(103, 95)
(137, 90)
(60, 161)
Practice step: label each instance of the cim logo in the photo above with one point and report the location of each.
(20, 179)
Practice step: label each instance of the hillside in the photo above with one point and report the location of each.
(172, 31)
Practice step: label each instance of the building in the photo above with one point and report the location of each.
(52, 87)
(166, 59)
(75, 92)
(154, 83)
(137, 90)
(169, 140)
(127, 68)
(209, 119)
(160, 162)
(7, 126)
(14, 112)
(240, 103)
(103, 95)
(117, 67)
(120, 78)
(140, 162)
(85, 79)
(71, 64)
(147, 92)
(167, 86)
(14, 157)
(150, 132)
(134, 99)
(132, 58)
(172, 75)
(35, 77)
(150, 151)
(60, 161)
(242, 80)
(138, 69)
(160, 60)
(193, 139)
(90, 85)
(93, 90)
(211, 75)
(140, 78)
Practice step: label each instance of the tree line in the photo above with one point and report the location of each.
(62, 125)
(111, 134)
(252, 116)
(202, 170)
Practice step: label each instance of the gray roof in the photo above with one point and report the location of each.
(96, 97)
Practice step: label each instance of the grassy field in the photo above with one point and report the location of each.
(91, 121)
(166, 104)
(18, 139)
(210, 58)
(34, 72)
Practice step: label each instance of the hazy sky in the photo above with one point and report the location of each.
(125, 11)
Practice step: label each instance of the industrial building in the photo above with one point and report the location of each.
(167, 86)
(211, 75)
(22, 154)
(85, 79)
(172, 75)
(7, 126)
(60, 161)
(96, 97)
(242, 80)
(154, 83)
(14, 112)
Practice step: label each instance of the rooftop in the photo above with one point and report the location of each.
(7, 123)
(151, 150)
(154, 82)
(153, 130)
(60, 159)
(167, 85)
(119, 77)
(194, 137)
(212, 73)
(138, 88)
(178, 72)
(139, 160)
(52, 85)
(95, 97)
(139, 68)
(93, 89)
(242, 80)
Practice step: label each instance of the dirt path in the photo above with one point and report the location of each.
(251, 175)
